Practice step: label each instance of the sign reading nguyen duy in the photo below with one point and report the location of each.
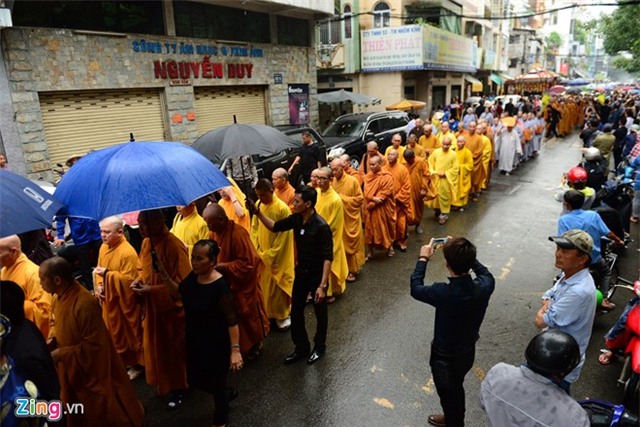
(392, 48)
(447, 51)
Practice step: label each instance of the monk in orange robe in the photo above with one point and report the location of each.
(475, 144)
(240, 264)
(232, 202)
(419, 176)
(89, 368)
(428, 140)
(116, 270)
(17, 268)
(163, 321)
(372, 150)
(380, 213)
(348, 187)
(402, 193)
(282, 189)
(346, 161)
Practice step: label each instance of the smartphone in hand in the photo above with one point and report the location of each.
(439, 242)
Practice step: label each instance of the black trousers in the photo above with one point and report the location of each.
(448, 375)
(302, 286)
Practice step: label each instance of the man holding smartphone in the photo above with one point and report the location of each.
(460, 307)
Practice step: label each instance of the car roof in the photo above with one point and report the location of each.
(369, 114)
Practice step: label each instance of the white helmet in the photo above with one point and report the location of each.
(592, 154)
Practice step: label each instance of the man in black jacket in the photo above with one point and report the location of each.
(460, 307)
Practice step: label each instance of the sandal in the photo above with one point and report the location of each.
(391, 252)
(606, 357)
(351, 278)
(368, 258)
(634, 219)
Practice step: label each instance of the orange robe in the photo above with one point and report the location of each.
(348, 187)
(37, 302)
(418, 150)
(90, 370)
(286, 195)
(163, 318)
(475, 144)
(380, 219)
(363, 167)
(404, 206)
(240, 264)
(350, 171)
(430, 143)
(419, 176)
(120, 310)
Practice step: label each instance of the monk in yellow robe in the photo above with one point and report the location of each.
(89, 368)
(348, 188)
(412, 144)
(240, 264)
(283, 190)
(419, 176)
(163, 321)
(17, 268)
(346, 161)
(189, 227)
(329, 207)
(402, 193)
(115, 271)
(465, 162)
(276, 253)
(475, 144)
(428, 140)
(444, 169)
(380, 213)
(445, 132)
(232, 202)
(396, 140)
(488, 154)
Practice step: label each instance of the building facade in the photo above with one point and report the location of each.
(157, 70)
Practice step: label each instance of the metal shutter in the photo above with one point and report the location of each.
(215, 106)
(77, 122)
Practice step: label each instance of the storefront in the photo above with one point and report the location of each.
(76, 91)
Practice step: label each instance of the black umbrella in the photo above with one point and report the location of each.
(239, 140)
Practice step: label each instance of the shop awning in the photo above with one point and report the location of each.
(505, 77)
(497, 79)
(476, 85)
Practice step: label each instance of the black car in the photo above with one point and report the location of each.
(351, 132)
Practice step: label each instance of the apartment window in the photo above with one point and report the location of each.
(381, 15)
(293, 31)
(553, 18)
(346, 16)
(329, 32)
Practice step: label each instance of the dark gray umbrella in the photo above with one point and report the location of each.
(238, 140)
(343, 96)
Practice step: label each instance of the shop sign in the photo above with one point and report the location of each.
(298, 104)
(200, 69)
(392, 48)
(447, 51)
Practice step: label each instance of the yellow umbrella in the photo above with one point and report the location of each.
(406, 104)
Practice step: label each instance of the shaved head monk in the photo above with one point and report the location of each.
(163, 323)
(116, 270)
(283, 189)
(89, 368)
(402, 192)
(380, 213)
(17, 268)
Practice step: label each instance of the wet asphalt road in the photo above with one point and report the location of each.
(375, 371)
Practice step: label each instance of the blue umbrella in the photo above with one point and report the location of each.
(24, 206)
(137, 176)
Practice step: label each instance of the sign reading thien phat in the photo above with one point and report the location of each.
(392, 48)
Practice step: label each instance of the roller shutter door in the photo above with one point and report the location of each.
(215, 106)
(77, 122)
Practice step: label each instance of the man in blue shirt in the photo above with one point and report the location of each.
(460, 307)
(85, 233)
(570, 305)
(589, 221)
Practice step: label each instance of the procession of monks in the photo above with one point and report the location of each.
(133, 326)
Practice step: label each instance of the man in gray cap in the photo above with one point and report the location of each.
(570, 305)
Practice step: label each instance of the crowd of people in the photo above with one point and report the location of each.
(199, 297)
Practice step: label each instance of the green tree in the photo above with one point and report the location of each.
(553, 42)
(622, 35)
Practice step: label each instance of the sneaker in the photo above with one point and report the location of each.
(284, 324)
(134, 372)
(419, 230)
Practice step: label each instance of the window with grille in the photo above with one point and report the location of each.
(381, 15)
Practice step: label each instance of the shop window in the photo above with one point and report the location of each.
(292, 31)
(346, 16)
(381, 15)
(116, 16)
(222, 23)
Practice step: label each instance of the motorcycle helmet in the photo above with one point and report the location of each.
(592, 154)
(577, 174)
(553, 352)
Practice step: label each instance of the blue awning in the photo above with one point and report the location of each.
(496, 79)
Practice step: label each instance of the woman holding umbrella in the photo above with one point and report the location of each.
(211, 326)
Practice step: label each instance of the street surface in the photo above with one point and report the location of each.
(376, 371)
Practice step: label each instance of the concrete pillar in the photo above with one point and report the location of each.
(9, 138)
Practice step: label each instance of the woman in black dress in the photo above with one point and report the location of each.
(211, 326)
